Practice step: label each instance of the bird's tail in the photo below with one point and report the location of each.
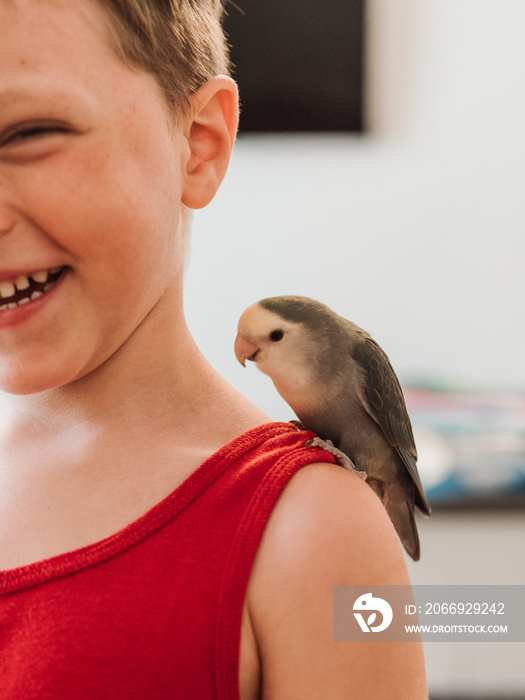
(401, 512)
(402, 516)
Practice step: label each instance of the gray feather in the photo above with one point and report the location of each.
(386, 405)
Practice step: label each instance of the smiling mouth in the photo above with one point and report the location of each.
(27, 288)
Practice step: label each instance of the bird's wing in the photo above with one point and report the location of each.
(384, 401)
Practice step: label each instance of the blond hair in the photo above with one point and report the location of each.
(180, 42)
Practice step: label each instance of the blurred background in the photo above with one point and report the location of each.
(381, 170)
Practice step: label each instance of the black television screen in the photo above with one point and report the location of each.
(299, 65)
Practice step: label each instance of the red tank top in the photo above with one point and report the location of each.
(155, 610)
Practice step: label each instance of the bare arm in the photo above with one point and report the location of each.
(328, 528)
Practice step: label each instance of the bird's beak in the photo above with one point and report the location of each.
(244, 349)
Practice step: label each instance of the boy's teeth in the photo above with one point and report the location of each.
(26, 288)
(40, 276)
(22, 282)
(7, 289)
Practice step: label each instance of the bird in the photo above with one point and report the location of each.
(340, 384)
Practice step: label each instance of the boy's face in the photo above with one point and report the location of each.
(91, 174)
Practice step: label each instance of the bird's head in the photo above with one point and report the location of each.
(263, 336)
(276, 334)
(286, 326)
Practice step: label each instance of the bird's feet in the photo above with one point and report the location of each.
(342, 459)
(297, 424)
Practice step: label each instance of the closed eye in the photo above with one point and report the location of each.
(30, 132)
(30, 142)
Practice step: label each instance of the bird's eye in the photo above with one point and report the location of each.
(276, 336)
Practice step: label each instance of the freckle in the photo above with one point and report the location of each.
(23, 62)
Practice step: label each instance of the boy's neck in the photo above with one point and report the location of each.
(130, 384)
(141, 387)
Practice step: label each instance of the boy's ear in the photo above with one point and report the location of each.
(214, 115)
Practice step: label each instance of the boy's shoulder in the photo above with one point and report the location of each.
(326, 512)
(328, 528)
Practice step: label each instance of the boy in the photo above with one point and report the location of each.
(153, 541)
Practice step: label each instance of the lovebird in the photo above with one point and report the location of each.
(341, 385)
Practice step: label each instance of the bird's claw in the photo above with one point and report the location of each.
(342, 459)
